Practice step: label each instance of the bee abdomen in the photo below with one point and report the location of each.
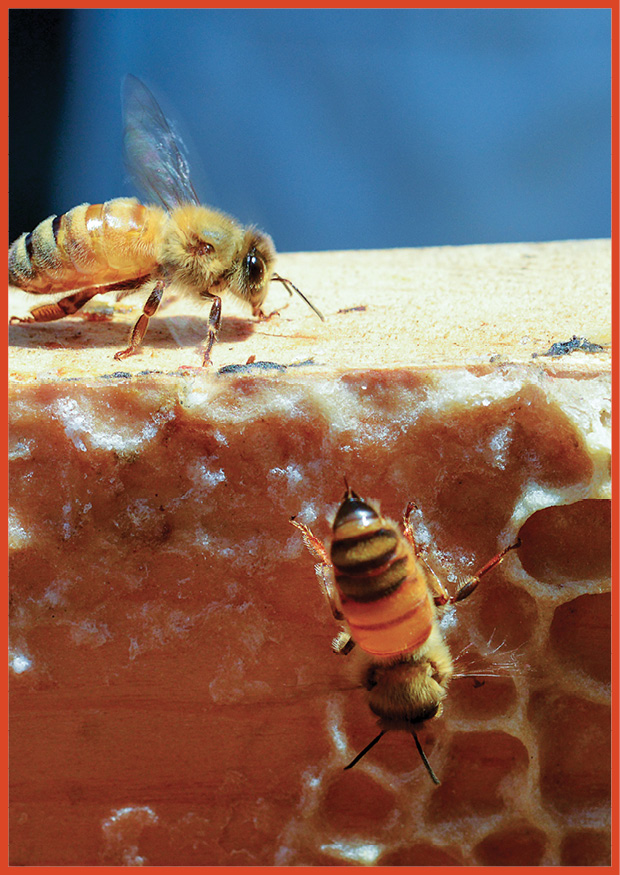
(91, 244)
(399, 621)
(383, 589)
(364, 552)
(387, 607)
(368, 587)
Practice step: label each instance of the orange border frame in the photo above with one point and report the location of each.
(614, 7)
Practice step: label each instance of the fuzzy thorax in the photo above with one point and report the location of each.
(209, 253)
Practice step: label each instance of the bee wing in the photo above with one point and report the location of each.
(154, 154)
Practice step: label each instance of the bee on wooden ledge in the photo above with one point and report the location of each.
(124, 246)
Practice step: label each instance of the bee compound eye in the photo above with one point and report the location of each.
(433, 711)
(254, 267)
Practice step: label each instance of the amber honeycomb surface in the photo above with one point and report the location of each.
(174, 696)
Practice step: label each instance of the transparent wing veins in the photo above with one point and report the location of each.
(154, 153)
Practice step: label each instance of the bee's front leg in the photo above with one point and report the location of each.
(264, 317)
(343, 643)
(215, 321)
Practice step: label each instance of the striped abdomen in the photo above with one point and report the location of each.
(383, 590)
(91, 245)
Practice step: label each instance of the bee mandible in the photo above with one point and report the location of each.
(387, 601)
(125, 246)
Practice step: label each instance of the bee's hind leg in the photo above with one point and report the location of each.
(469, 585)
(418, 549)
(139, 329)
(441, 595)
(342, 643)
(311, 541)
(67, 306)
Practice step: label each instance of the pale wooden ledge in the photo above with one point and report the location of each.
(438, 307)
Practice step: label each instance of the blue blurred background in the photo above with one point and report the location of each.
(330, 129)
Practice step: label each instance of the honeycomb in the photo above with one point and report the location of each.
(174, 697)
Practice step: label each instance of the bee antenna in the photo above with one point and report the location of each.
(365, 751)
(290, 288)
(429, 768)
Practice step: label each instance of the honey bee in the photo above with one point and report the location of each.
(387, 600)
(124, 246)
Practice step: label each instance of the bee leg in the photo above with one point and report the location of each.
(139, 329)
(408, 528)
(65, 307)
(442, 596)
(312, 542)
(265, 317)
(215, 320)
(342, 643)
(418, 549)
(468, 586)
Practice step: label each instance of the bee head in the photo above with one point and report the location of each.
(252, 271)
(405, 694)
